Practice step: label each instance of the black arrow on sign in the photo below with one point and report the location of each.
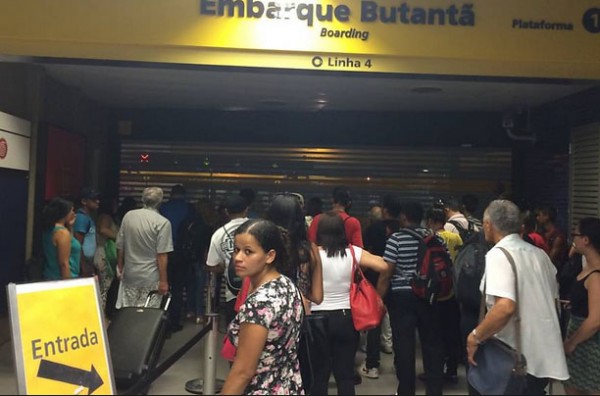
(71, 375)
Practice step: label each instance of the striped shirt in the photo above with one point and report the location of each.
(402, 249)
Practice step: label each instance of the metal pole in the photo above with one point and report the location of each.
(210, 346)
(208, 384)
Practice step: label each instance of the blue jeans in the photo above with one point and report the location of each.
(196, 285)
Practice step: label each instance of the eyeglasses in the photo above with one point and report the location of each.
(575, 234)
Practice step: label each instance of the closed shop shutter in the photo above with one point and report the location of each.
(546, 182)
(214, 171)
(584, 184)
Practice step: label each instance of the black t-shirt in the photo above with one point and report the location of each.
(375, 238)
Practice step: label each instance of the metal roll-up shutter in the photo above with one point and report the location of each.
(584, 187)
(213, 171)
(546, 182)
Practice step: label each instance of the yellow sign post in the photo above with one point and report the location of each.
(59, 342)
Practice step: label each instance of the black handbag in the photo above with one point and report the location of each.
(501, 369)
(312, 326)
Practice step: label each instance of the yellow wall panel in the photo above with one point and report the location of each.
(532, 38)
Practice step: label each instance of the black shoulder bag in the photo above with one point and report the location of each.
(501, 369)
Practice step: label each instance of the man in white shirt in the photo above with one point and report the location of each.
(221, 246)
(538, 290)
(456, 221)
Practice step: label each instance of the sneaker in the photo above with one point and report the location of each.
(372, 373)
(387, 349)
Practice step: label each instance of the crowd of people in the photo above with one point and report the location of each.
(298, 263)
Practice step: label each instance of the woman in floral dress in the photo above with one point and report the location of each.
(266, 330)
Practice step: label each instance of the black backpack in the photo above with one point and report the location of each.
(469, 266)
(192, 239)
(465, 233)
(233, 282)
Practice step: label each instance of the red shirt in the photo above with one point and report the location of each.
(539, 241)
(351, 225)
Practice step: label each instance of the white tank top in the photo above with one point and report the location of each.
(337, 272)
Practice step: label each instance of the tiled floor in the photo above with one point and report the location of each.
(190, 366)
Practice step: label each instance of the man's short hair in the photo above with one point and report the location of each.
(152, 197)
(89, 193)
(504, 216)
(449, 203)
(393, 205)
(235, 204)
(341, 195)
(470, 202)
(413, 211)
(436, 215)
(376, 212)
(248, 194)
(178, 190)
(314, 206)
(549, 211)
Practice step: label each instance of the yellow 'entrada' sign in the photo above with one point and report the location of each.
(59, 340)
(526, 38)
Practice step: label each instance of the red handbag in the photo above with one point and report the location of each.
(365, 304)
(228, 350)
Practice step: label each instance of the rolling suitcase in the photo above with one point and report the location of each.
(136, 336)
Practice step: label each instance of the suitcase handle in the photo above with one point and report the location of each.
(152, 293)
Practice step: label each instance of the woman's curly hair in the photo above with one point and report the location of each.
(269, 237)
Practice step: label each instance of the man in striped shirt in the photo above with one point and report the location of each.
(409, 313)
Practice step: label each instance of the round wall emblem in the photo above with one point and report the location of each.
(3, 148)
